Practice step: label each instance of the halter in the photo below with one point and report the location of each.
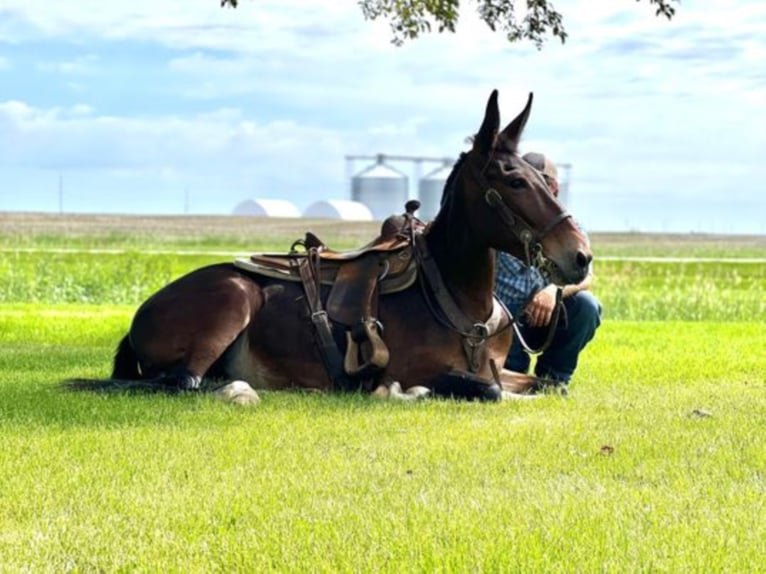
(447, 311)
(532, 242)
(533, 252)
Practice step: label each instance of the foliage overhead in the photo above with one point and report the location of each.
(411, 18)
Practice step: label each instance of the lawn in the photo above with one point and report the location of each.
(654, 463)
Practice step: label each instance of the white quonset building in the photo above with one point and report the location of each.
(338, 209)
(266, 208)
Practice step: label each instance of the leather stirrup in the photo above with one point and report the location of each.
(366, 353)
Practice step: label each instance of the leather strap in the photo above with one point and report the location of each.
(474, 333)
(551, 327)
(308, 267)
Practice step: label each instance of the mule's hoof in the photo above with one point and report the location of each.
(511, 396)
(412, 394)
(238, 393)
(395, 390)
(179, 381)
(392, 392)
(381, 392)
(493, 393)
(418, 392)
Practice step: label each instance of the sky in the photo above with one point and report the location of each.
(180, 106)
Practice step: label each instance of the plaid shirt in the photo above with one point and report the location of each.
(515, 283)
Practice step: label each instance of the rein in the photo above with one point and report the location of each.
(551, 326)
(447, 311)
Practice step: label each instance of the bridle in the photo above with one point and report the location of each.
(446, 311)
(531, 240)
(533, 250)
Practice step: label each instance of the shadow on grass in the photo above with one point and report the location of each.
(34, 401)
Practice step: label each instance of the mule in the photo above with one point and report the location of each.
(446, 335)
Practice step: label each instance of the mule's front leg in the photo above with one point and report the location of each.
(238, 393)
(179, 380)
(520, 385)
(392, 390)
(469, 386)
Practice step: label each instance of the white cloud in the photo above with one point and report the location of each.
(84, 65)
(278, 91)
(221, 150)
(75, 136)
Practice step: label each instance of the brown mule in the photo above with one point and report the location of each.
(445, 332)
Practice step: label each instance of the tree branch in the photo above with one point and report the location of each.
(409, 19)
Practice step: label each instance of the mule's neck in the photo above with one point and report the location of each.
(466, 264)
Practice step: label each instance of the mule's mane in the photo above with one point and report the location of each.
(446, 193)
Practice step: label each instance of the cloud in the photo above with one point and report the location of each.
(273, 95)
(81, 66)
(220, 150)
(76, 137)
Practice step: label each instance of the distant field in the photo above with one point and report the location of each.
(179, 232)
(146, 253)
(254, 234)
(655, 463)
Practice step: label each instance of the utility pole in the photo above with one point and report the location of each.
(61, 194)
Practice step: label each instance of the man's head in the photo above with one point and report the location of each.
(546, 168)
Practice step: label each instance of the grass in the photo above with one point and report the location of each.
(654, 463)
(340, 483)
(724, 291)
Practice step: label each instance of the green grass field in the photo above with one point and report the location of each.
(654, 463)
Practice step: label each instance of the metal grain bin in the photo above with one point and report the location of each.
(430, 189)
(565, 176)
(381, 188)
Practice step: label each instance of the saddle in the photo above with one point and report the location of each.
(355, 279)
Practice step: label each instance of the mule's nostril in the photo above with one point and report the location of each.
(583, 259)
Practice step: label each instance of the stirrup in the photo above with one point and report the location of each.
(364, 341)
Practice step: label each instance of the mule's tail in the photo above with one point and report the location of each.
(125, 361)
(125, 373)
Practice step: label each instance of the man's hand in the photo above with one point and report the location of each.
(540, 309)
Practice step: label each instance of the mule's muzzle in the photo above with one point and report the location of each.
(583, 259)
(571, 272)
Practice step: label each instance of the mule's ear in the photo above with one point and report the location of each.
(485, 139)
(511, 135)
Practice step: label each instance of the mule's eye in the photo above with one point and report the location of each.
(518, 183)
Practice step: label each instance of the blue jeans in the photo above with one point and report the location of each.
(559, 361)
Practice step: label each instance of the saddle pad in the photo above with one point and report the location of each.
(282, 269)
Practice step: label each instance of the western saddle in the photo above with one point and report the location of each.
(355, 279)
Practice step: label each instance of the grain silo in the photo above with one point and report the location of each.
(381, 188)
(430, 190)
(565, 178)
(266, 208)
(338, 209)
